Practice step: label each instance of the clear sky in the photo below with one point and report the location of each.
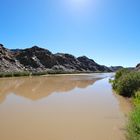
(107, 31)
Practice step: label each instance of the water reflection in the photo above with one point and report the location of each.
(36, 88)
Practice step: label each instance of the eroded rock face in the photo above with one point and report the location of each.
(39, 59)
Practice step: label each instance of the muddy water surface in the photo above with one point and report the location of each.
(75, 107)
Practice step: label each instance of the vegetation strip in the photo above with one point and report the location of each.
(27, 73)
(127, 84)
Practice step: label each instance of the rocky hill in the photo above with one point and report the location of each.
(8, 62)
(138, 67)
(37, 59)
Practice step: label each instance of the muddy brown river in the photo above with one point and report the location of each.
(62, 107)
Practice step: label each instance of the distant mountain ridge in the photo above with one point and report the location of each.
(36, 59)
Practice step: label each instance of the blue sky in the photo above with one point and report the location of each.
(107, 31)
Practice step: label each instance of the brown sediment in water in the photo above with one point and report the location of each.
(34, 108)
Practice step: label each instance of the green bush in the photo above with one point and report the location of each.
(136, 99)
(39, 73)
(133, 127)
(126, 83)
(14, 74)
(18, 74)
(119, 74)
(6, 74)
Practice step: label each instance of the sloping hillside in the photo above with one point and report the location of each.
(37, 59)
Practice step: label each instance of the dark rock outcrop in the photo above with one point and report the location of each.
(37, 59)
(138, 67)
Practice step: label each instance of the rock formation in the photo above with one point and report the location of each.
(138, 67)
(37, 59)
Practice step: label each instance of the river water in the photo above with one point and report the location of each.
(62, 107)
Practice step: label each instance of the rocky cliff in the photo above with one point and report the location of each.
(37, 59)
